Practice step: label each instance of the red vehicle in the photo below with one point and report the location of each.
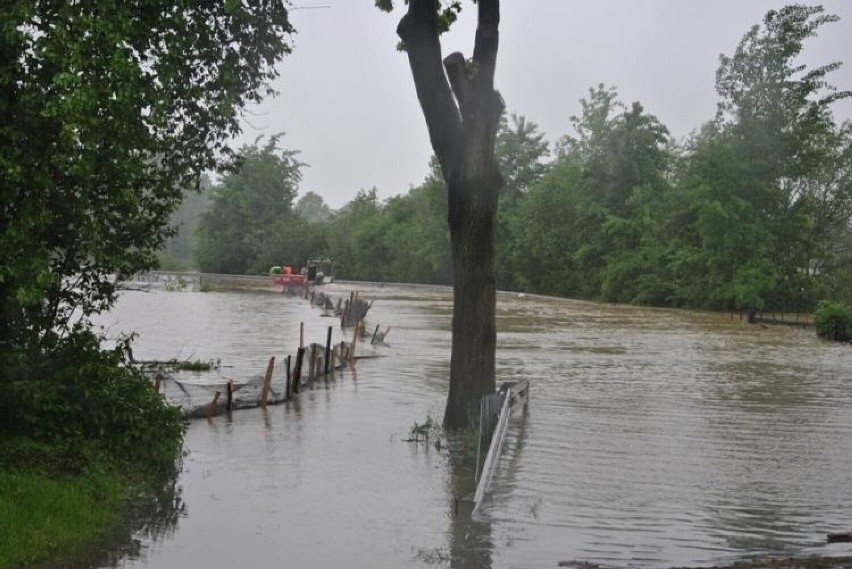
(316, 271)
(285, 276)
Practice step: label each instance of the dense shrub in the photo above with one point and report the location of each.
(78, 396)
(833, 320)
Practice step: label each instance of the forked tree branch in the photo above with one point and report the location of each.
(486, 43)
(419, 30)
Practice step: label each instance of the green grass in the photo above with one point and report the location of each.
(194, 365)
(43, 516)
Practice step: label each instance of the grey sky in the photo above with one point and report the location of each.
(347, 100)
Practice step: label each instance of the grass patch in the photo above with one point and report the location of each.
(429, 431)
(43, 515)
(184, 365)
(194, 365)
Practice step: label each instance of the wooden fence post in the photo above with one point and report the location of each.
(327, 350)
(212, 408)
(267, 380)
(354, 342)
(297, 369)
(287, 385)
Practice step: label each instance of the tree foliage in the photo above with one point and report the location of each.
(833, 321)
(108, 113)
(250, 224)
(312, 208)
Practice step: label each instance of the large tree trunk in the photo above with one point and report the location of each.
(462, 111)
(474, 333)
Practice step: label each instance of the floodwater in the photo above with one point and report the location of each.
(652, 438)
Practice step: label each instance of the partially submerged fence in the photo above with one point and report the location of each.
(205, 397)
(509, 395)
(181, 280)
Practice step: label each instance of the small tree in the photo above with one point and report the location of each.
(312, 208)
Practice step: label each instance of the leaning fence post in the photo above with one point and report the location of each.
(478, 442)
(354, 342)
(266, 381)
(327, 350)
(317, 356)
(301, 334)
(212, 408)
(230, 394)
(287, 384)
(312, 362)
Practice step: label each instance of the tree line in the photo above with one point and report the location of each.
(751, 211)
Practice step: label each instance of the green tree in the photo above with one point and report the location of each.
(312, 208)
(417, 234)
(250, 224)
(462, 112)
(349, 237)
(760, 172)
(108, 111)
(520, 150)
(550, 226)
(585, 228)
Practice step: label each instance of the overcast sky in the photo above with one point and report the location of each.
(347, 100)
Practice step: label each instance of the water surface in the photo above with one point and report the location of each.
(652, 438)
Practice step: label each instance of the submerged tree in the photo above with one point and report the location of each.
(462, 111)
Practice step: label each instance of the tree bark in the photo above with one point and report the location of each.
(462, 112)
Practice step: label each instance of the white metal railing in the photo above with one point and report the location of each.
(512, 393)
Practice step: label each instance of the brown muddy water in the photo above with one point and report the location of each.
(652, 438)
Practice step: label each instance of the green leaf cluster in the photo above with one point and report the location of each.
(250, 224)
(86, 400)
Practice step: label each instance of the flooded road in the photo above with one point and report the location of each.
(652, 438)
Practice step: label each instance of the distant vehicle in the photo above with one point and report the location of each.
(320, 270)
(284, 276)
(316, 271)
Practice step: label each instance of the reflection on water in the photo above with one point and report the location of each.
(153, 516)
(652, 438)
